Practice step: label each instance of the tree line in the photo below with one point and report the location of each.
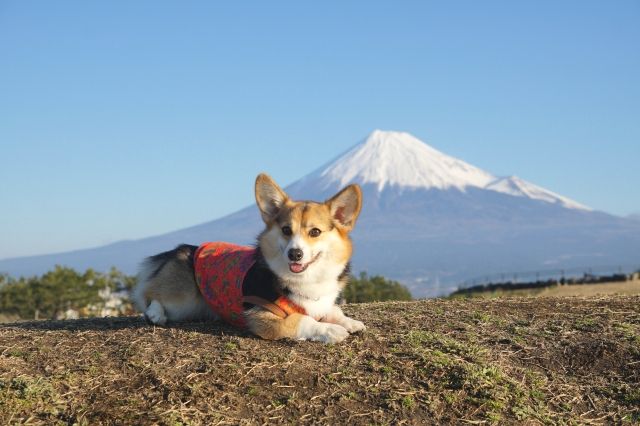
(57, 291)
(374, 289)
(52, 294)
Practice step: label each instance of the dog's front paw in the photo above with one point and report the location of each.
(330, 333)
(310, 329)
(353, 326)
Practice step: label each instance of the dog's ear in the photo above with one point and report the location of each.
(269, 197)
(345, 206)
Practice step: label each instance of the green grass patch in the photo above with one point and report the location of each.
(462, 373)
(586, 324)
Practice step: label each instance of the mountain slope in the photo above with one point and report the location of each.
(429, 220)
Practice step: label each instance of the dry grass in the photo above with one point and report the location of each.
(535, 361)
(619, 288)
(631, 287)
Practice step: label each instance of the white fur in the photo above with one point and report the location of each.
(310, 329)
(155, 313)
(336, 316)
(317, 298)
(179, 310)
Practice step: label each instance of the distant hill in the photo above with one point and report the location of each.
(429, 220)
(634, 216)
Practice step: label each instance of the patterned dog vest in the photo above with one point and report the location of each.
(220, 269)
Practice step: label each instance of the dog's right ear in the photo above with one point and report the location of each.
(269, 197)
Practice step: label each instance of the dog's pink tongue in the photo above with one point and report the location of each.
(296, 267)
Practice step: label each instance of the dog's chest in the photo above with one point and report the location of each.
(316, 305)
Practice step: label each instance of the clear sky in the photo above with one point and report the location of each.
(120, 120)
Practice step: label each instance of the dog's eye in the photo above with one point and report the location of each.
(315, 232)
(286, 230)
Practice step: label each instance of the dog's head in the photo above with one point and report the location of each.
(306, 241)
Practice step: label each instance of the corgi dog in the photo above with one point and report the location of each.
(284, 287)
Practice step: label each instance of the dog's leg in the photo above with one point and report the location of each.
(155, 313)
(336, 316)
(295, 326)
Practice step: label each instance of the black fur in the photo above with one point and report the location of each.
(346, 272)
(261, 281)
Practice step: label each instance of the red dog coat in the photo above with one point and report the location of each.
(220, 269)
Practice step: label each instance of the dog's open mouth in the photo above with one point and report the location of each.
(297, 268)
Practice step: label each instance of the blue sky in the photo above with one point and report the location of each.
(120, 120)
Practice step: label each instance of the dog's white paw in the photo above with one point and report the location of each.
(330, 333)
(352, 326)
(155, 313)
(310, 329)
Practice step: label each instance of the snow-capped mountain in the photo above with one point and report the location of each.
(397, 159)
(389, 159)
(428, 220)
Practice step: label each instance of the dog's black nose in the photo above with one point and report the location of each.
(295, 254)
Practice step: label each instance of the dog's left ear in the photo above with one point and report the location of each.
(345, 206)
(269, 197)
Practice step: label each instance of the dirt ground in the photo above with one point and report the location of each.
(528, 361)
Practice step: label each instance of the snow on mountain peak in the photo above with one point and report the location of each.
(387, 158)
(513, 185)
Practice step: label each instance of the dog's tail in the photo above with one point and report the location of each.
(148, 268)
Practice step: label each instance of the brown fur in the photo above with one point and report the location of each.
(269, 326)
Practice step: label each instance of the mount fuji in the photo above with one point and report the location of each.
(429, 220)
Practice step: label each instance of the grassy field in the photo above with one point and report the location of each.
(526, 360)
